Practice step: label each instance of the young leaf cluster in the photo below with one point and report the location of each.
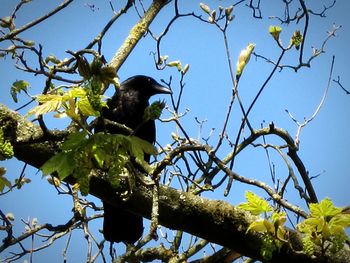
(325, 227)
(96, 70)
(271, 225)
(215, 16)
(82, 154)
(295, 40)
(6, 152)
(6, 149)
(73, 103)
(153, 111)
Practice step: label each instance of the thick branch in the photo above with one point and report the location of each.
(214, 220)
(136, 33)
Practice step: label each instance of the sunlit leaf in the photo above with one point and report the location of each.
(324, 208)
(342, 220)
(77, 92)
(269, 226)
(255, 204)
(86, 109)
(100, 155)
(17, 87)
(63, 163)
(49, 103)
(3, 181)
(257, 226)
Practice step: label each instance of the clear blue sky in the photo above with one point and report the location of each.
(324, 142)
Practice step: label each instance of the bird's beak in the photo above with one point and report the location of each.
(159, 89)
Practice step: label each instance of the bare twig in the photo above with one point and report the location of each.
(347, 92)
(317, 110)
(15, 32)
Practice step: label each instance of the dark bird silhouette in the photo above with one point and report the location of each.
(127, 107)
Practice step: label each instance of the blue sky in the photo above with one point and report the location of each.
(324, 142)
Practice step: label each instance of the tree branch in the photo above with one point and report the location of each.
(213, 220)
(15, 32)
(136, 33)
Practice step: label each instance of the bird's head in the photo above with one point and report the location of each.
(145, 86)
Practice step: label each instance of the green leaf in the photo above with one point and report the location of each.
(86, 109)
(257, 226)
(17, 87)
(83, 180)
(77, 92)
(114, 176)
(63, 163)
(49, 103)
(279, 218)
(6, 148)
(255, 204)
(140, 146)
(154, 111)
(3, 181)
(341, 220)
(74, 141)
(100, 155)
(324, 208)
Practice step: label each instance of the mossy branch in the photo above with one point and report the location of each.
(136, 33)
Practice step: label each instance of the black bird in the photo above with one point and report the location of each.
(127, 107)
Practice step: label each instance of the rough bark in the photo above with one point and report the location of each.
(214, 220)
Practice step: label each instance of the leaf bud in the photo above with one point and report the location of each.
(275, 31)
(185, 69)
(10, 216)
(213, 14)
(243, 58)
(205, 8)
(297, 38)
(228, 11)
(176, 63)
